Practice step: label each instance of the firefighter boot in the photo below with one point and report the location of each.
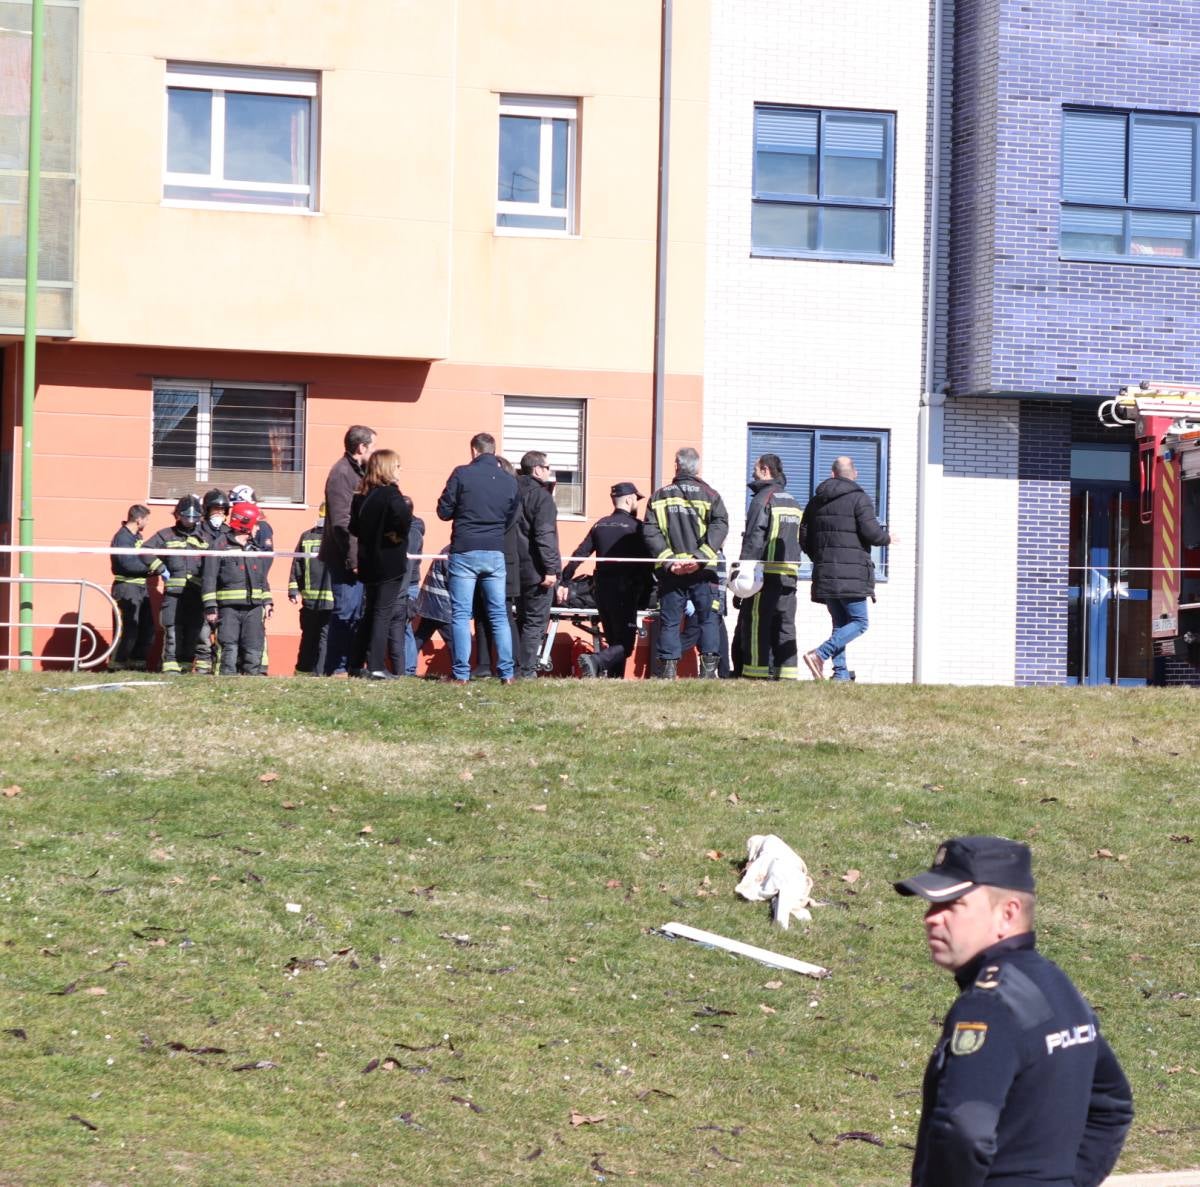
(666, 669)
(708, 667)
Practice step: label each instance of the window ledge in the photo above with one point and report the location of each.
(532, 233)
(244, 208)
(885, 261)
(1134, 261)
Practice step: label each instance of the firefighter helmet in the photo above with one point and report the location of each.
(747, 581)
(244, 517)
(216, 500)
(188, 511)
(242, 493)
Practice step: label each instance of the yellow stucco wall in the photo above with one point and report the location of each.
(401, 260)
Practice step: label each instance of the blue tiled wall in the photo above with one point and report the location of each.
(1044, 516)
(1021, 320)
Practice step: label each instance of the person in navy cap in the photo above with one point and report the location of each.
(622, 586)
(1021, 1088)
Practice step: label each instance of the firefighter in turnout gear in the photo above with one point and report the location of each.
(131, 595)
(309, 585)
(182, 613)
(212, 529)
(766, 627)
(685, 526)
(237, 599)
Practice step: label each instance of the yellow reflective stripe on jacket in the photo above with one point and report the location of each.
(238, 595)
(129, 581)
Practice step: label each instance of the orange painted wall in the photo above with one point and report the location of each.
(92, 444)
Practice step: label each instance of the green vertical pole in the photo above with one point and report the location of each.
(29, 352)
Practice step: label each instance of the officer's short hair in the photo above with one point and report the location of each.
(483, 443)
(532, 460)
(137, 511)
(357, 435)
(997, 894)
(687, 462)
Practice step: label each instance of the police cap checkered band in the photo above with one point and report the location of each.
(963, 863)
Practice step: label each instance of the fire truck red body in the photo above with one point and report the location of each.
(1167, 420)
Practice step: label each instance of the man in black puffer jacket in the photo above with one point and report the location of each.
(838, 532)
(537, 548)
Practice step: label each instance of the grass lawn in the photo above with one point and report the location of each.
(282, 932)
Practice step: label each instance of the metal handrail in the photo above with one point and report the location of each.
(82, 629)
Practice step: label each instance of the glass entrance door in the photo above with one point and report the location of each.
(1109, 590)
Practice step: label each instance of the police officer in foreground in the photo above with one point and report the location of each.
(621, 588)
(1021, 1088)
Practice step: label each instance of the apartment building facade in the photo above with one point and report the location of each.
(817, 261)
(1073, 272)
(431, 218)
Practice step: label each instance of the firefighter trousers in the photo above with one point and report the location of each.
(137, 622)
(766, 634)
(181, 616)
(242, 635)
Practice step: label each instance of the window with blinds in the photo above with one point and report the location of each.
(807, 456)
(208, 434)
(823, 183)
(1130, 187)
(555, 427)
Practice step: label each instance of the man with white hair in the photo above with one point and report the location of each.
(686, 524)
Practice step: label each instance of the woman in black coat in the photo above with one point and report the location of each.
(380, 518)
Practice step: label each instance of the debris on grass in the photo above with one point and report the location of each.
(773, 959)
(84, 1122)
(578, 1118)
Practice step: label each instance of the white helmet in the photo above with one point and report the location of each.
(747, 581)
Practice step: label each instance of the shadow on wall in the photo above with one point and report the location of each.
(69, 636)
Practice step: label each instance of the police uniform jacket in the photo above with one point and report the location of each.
(309, 578)
(183, 570)
(838, 531)
(686, 520)
(1022, 1090)
(772, 532)
(616, 535)
(127, 569)
(234, 576)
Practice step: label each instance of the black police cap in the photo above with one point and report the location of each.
(625, 488)
(963, 863)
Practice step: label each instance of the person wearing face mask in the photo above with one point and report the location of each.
(212, 529)
(1021, 1088)
(216, 512)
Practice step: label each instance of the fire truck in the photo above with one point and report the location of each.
(1166, 421)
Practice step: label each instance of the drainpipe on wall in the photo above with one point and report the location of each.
(931, 415)
(29, 348)
(660, 268)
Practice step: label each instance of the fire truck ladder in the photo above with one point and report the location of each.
(1153, 399)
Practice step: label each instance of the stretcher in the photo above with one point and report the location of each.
(587, 621)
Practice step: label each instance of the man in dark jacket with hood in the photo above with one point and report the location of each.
(838, 531)
(537, 548)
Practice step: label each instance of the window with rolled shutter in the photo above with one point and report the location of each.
(555, 427)
(1130, 187)
(807, 456)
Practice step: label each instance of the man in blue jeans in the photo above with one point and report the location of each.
(838, 531)
(339, 553)
(480, 500)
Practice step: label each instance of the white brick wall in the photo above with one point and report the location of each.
(810, 342)
(973, 603)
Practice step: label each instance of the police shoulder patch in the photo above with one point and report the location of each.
(968, 1037)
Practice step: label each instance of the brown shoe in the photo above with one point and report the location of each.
(815, 664)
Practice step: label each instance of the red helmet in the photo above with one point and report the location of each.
(244, 517)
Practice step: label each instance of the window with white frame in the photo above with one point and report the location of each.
(807, 456)
(241, 137)
(555, 427)
(535, 184)
(208, 433)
